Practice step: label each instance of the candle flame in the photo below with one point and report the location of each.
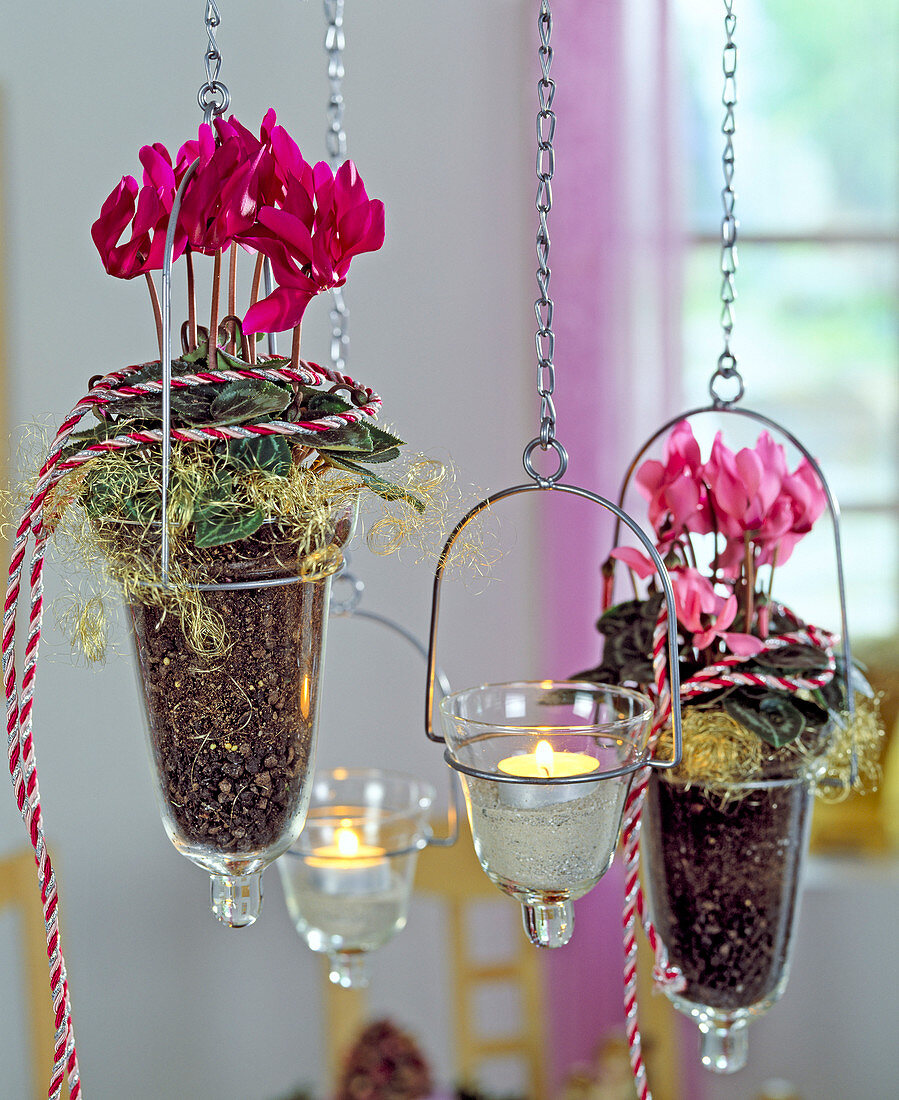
(347, 842)
(544, 758)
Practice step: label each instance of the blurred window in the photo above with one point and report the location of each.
(816, 336)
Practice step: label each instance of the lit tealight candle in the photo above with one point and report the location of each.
(348, 866)
(545, 763)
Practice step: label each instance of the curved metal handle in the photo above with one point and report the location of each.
(833, 508)
(622, 517)
(349, 608)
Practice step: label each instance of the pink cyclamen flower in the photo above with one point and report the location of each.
(674, 488)
(744, 496)
(724, 613)
(324, 221)
(700, 610)
(145, 210)
(707, 615)
(804, 499)
(755, 498)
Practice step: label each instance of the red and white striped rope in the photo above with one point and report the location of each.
(722, 674)
(22, 763)
(633, 895)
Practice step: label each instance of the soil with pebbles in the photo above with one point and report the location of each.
(723, 881)
(232, 736)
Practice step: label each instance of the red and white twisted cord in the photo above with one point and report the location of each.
(22, 763)
(722, 674)
(634, 908)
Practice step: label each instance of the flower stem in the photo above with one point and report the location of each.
(773, 567)
(749, 582)
(295, 348)
(232, 295)
(254, 297)
(214, 315)
(157, 313)
(191, 300)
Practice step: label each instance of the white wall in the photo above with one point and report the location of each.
(167, 1002)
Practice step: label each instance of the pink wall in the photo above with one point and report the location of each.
(601, 247)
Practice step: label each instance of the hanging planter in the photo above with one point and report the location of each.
(766, 717)
(220, 491)
(216, 489)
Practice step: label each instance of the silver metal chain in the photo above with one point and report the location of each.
(335, 141)
(213, 97)
(543, 307)
(726, 371)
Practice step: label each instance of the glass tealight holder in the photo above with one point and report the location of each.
(545, 768)
(348, 879)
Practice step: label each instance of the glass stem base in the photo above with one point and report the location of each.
(349, 969)
(724, 1048)
(548, 924)
(237, 899)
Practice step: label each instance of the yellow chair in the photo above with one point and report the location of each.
(19, 891)
(455, 877)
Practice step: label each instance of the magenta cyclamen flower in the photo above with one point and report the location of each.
(258, 192)
(146, 210)
(223, 196)
(324, 221)
(675, 488)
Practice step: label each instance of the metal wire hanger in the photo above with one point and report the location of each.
(546, 438)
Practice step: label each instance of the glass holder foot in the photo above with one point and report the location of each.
(236, 899)
(548, 924)
(724, 1048)
(349, 969)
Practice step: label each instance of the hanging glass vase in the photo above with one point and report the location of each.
(348, 879)
(722, 871)
(232, 734)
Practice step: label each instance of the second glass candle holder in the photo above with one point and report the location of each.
(348, 879)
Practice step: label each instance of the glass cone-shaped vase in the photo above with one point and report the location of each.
(348, 879)
(541, 768)
(232, 736)
(722, 867)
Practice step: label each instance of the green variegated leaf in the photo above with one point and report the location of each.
(249, 400)
(319, 403)
(776, 717)
(103, 494)
(383, 441)
(350, 437)
(379, 485)
(143, 506)
(262, 452)
(226, 361)
(381, 456)
(794, 657)
(216, 527)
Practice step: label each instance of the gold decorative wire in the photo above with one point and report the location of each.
(720, 753)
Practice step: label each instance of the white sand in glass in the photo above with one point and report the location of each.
(562, 847)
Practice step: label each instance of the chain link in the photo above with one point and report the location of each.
(726, 370)
(335, 142)
(543, 307)
(213, 97)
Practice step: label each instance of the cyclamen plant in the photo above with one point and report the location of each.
(254, 195)
(723, 526)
